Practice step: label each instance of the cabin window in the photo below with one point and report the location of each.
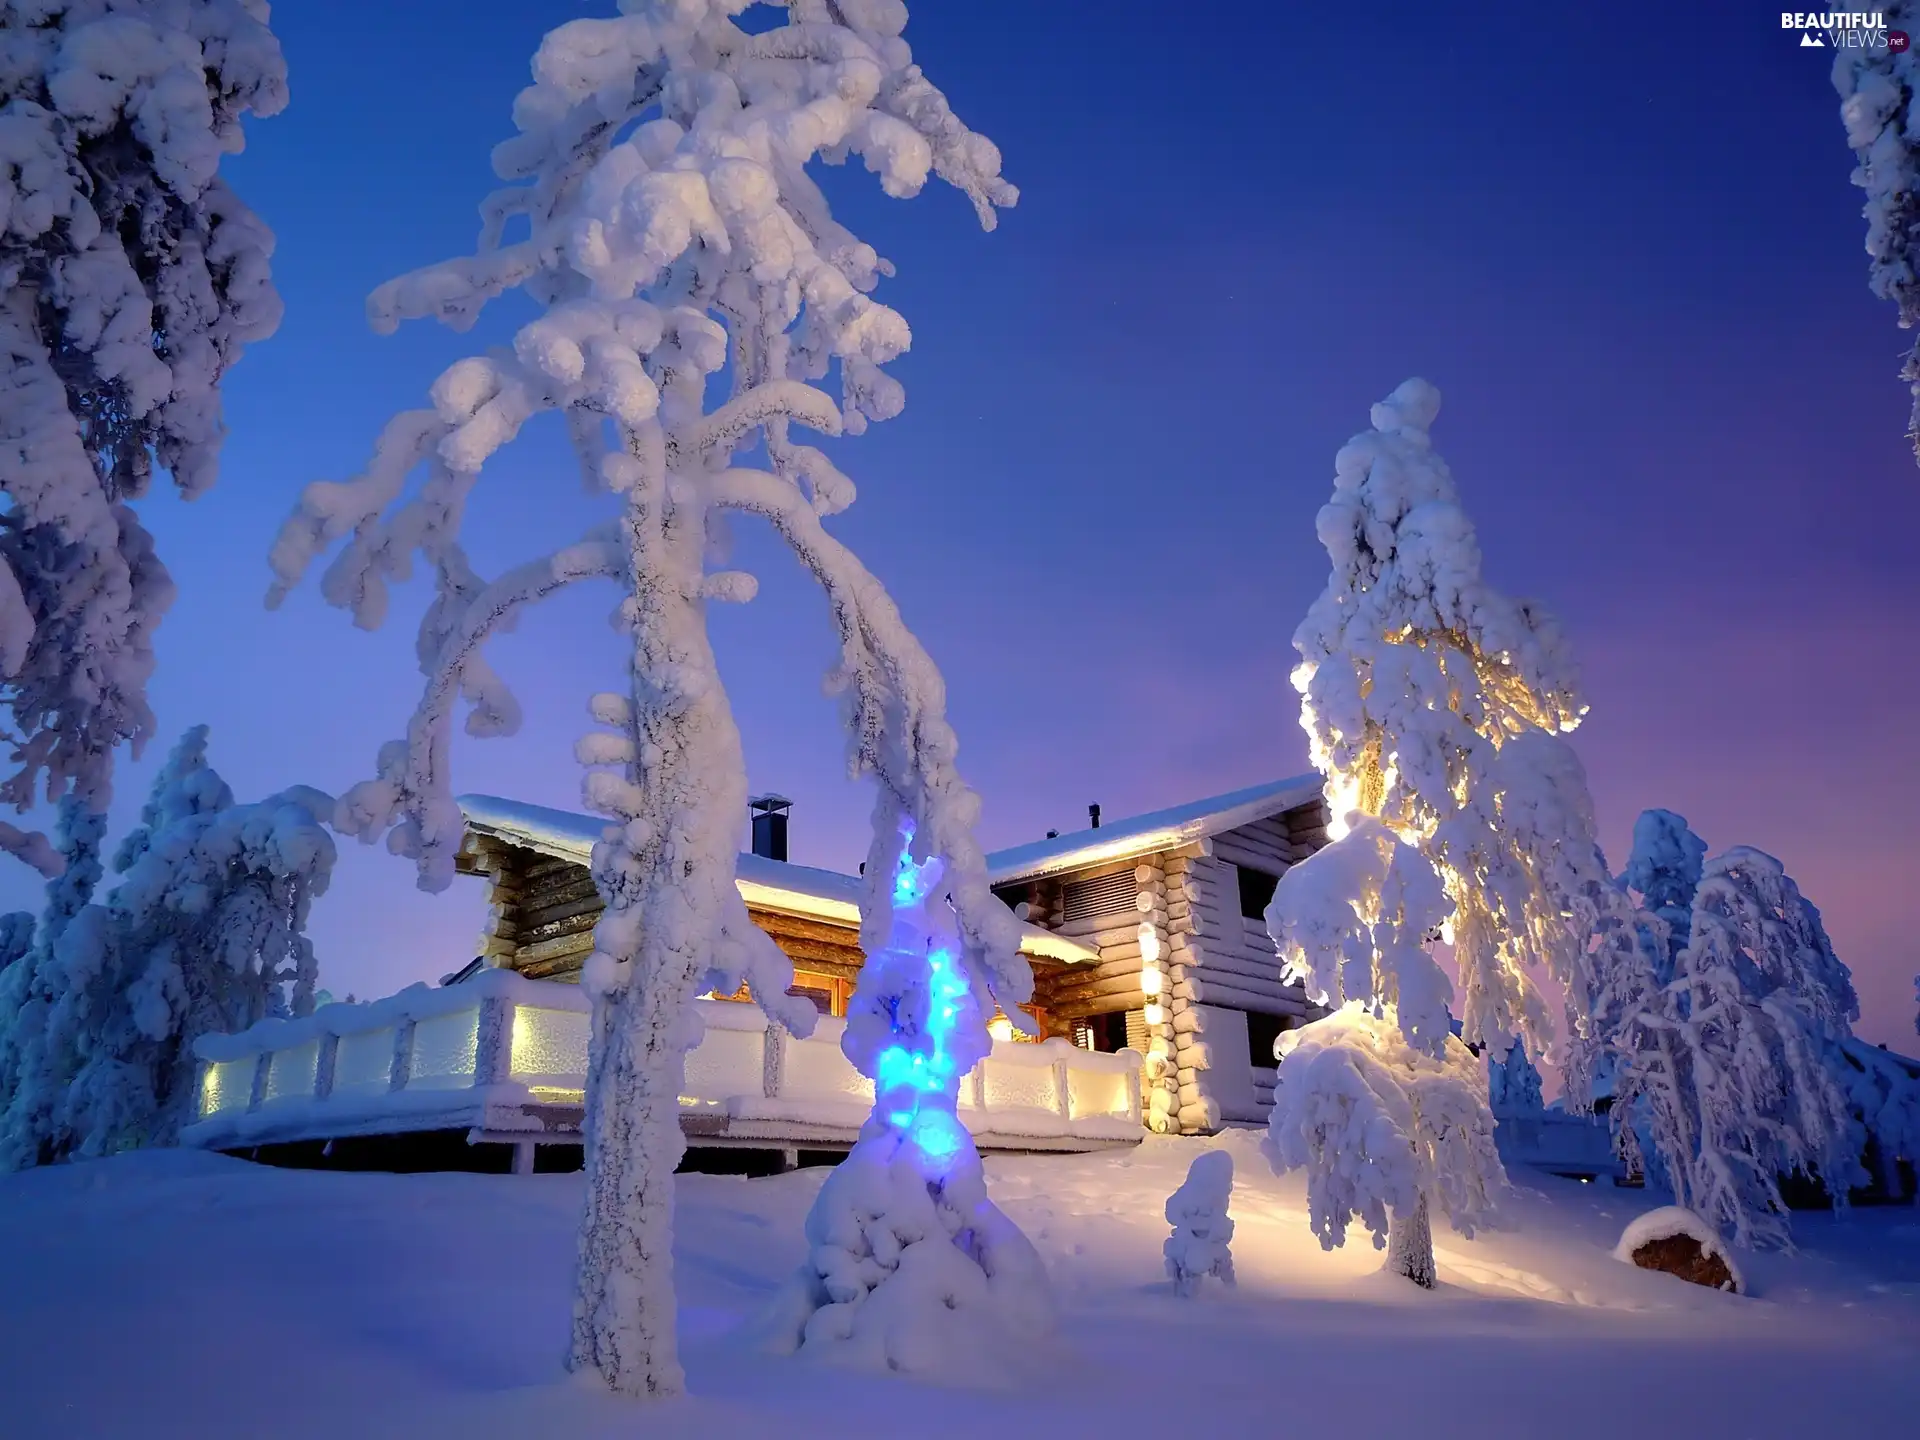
(1256, 891)
(1262, 1032)
(1001, 1028)
(1105, 1033)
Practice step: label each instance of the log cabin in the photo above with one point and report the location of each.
(1173, 902)
(1145, 934)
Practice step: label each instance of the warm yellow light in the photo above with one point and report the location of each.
(1152, 982)
(1156, 1014)
(1000, 1028)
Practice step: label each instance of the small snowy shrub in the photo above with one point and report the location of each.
(131, 278)
(1384, 1132)
(1202, 1231)
(910, 1266)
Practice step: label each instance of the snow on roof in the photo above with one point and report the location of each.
(1148, 834)
(768, 884)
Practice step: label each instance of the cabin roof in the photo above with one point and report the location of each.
(768, 884)
(1149, 834)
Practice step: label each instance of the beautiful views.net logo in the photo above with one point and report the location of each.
(1844, 30)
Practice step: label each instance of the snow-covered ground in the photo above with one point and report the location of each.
(177, 1293)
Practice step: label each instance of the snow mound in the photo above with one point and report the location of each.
(1671, 1222)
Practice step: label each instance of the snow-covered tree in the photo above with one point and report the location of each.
(203, 934)
(130, 279)
(33, 1077)
(16, 937)
(1202, 1238)
(1435, 705)
(1877, 85)
(1386, 1133)
(695, 287)
(1724, 1021)
(1514, 1087)
(910, 1267)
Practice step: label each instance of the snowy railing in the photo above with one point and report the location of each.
(501, 1043)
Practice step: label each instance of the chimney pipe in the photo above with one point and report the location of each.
(1093, 813)
(770, 825)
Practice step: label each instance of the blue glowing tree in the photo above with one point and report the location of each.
(910, 1266)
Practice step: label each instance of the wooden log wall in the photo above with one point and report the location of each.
(1220, 957)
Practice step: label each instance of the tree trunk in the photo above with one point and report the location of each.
(1410, 1246)
(690, 779)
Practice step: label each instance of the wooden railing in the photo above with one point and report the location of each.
(504, 1050)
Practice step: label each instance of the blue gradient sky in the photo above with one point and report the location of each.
(1630, 258)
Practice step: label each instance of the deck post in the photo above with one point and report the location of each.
(523, 1157)
(402, 1056)
(773, 1060)
(493, 1035)
(323, 1067)
(1062, 1090)
(258, 1095)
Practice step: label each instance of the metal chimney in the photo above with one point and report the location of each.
(770, 825)
(1093, 814)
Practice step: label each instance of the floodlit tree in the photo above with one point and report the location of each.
(695, 288)
(1877, 85)
(203, 934)
(1386, 1133)
(1435, 705)
(910, 1266)
(1202, 1238)
(130, 279)
(1726, 1033)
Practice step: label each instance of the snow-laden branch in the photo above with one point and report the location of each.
(132, 278)
(897, 728)
(412, 795)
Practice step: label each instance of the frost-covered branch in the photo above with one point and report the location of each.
(1877, 87)
(132, 279)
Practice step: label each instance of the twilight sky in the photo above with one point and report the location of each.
(1630, 259)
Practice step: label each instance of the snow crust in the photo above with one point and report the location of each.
(429, 1302)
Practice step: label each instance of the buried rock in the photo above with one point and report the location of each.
(1681, 1244)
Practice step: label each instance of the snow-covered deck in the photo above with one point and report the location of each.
(506, 1058)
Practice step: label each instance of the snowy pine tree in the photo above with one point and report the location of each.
(1386, 1133)
(1724, 1020)
(34, 1070)
(679, 246)
(130, 279)
(203, 934)
(1200, 1245)
(1877, 85)
(910, 1266)
(1514, 1087)
(1434, 707)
